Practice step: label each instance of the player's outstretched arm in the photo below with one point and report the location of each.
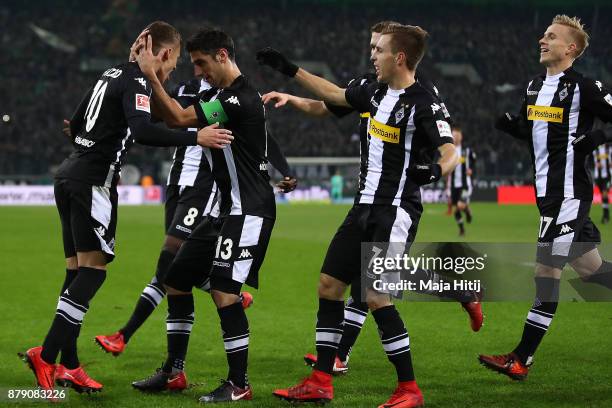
(321, 87)
(169, 111)
(310, 107)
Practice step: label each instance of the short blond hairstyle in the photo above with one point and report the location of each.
(578, 33)
(411, 40)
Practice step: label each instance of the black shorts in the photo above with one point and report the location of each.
(368, 223)
(185, 208)
(602, 183)
(228, 251)
(460, 194)
(88, 215)
(566, 231)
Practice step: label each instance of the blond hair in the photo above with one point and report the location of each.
(577, 32)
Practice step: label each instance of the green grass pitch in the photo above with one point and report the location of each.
(573, 366)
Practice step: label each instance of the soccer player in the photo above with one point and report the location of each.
(231, 250)
(112, 115)
(460, 180)
(190, 197)
(556, 121)
(356, 310)
(401, 126)
(602, 159)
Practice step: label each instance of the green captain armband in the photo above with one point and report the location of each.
(213, 112)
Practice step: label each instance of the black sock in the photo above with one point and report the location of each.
(71, 308)
(150, 298)
(355, 314)
(468, 214)
(329, 332)
(235, 328)
(459, 220)
(178, 329)
(69, 357)
(539, 318)
(602, 276)
(604, 204)
(395, 341)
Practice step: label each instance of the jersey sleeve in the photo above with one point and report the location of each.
(432, 122)
(277, 158)
(597, 99)
(339, 111)
(78, 117)
(136, 97)
(359, 96)
(226, 107)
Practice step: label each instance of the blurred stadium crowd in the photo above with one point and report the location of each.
(42, 79)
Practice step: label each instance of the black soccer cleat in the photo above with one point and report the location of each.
(227, 392)
(162, 381)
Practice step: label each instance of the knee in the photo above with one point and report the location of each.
(172, 292)
(461, 206)
(377, 300)
(331, 288)
(223, 299)
(172, 244)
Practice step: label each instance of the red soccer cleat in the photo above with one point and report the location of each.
(76, 379)
(43, 371)
(405, 396)
(113, 343)
(474, 310)
(317, 388)
(247, 299)
(340, 367)
(508, 364)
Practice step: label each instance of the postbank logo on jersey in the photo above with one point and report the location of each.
(545, 113)
(383, 132)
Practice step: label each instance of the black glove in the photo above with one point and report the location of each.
(425, 173)
(507, 123)
(275, 60)
(587, 142)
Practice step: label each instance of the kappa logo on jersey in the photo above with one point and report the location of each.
(245, 254)
(444, 128)
(608, 99)
(565, 229)
(142, 82)
(84, 142)
(435, 107)
(142, 103)
(384, 132)
(233, 100)
(545, 113)
(599, 85)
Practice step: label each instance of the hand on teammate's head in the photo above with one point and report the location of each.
(138, 44)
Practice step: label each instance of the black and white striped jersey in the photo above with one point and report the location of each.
(556, 109)
(602, 158)
(189, 165)
(239, 170)
(404, 127)
(364, 117)
(460, 177)
(121, 92)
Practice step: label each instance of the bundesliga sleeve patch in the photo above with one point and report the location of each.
(444, 128)
(214, 112)
(142, 103)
